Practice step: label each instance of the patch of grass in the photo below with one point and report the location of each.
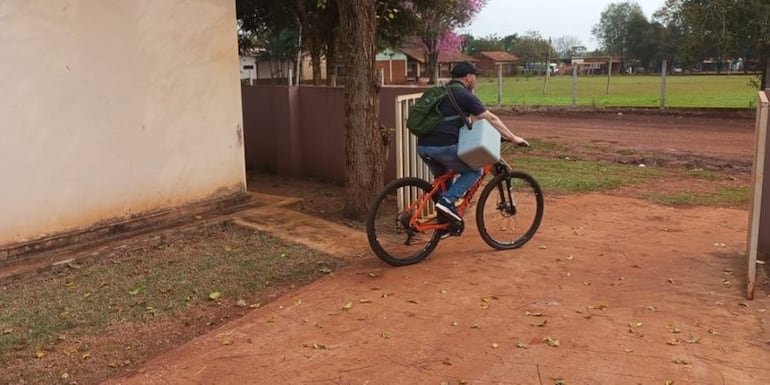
(724, 196)
(682, 91)
(702, 174)
(562, 169)
(184, 282)
(579, 176)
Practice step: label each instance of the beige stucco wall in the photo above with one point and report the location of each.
(111, 108)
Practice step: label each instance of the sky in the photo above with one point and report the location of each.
(551, 18)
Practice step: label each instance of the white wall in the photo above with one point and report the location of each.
(111, 108)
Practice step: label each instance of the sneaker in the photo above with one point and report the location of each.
(447, 207)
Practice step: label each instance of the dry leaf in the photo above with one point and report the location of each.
(522, 345)
(528, 314)
(39, 354)
(414, 301)
(364, 300)
(673, 329)
(385, 335)
(227, 342)
(635, 325)
(540, 323)
(669, 382)
(652, 308)
(241, 303)
(551, 341)
(681, 361)
(713, 332)
(693, 340)
(214, 295)
(673, 342)
(495, 345)
(347, 306)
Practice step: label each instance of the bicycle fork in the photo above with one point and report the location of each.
(507, 204)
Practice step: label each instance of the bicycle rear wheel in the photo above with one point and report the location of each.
(510, 210)
(388, 230)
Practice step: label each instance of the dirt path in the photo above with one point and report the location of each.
(634, 293)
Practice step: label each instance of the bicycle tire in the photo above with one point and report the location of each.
(388, 236)
(503, 225)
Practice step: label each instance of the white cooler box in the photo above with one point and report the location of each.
(479, 146)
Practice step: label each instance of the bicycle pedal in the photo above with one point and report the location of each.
(456, 228)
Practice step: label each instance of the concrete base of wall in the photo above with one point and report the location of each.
(26, 252)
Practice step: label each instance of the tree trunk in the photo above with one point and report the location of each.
(331, 62)
(315, 59)
(363, 148)
(432, 65)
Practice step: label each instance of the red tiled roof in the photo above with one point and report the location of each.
(499, 56)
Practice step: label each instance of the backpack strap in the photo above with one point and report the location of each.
(457, 107)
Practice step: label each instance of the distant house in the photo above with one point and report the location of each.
(594, 65)
(417, 58)
(392, 66)
(256, 69)
(490, 62)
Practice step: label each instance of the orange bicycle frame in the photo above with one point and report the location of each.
(421, 204)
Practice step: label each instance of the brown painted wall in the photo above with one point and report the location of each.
(301, 131)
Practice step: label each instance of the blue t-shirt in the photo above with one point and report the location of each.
(447, 133)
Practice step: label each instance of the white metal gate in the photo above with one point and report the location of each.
(757, 195)
(407, 161)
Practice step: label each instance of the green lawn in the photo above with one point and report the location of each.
(682, 91)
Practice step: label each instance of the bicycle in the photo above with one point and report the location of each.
(402, 227)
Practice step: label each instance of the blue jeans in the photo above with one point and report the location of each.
(442, 159)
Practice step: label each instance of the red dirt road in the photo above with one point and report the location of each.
(632, 293)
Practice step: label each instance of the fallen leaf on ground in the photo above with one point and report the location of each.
(673, 329)
(551, 341)
(540, 323)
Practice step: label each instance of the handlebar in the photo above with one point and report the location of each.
(525, 144)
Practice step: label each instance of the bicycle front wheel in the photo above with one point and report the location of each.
(509, 211)
(388, 230)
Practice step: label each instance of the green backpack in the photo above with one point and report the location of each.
(424, 115)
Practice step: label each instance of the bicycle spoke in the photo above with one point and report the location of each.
(389, 231)
(510, 210)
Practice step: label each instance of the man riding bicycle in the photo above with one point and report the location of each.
(438, 148)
